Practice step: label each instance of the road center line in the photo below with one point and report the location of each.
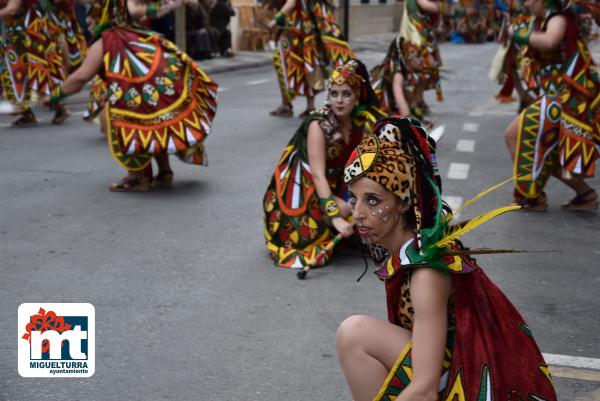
(458, 171)
(465, 145)
(572, 361)
(475, 113)
(471, 127)
(257, 82)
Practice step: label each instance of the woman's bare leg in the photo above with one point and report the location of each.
(162, 161)
(285, 109)
(510, 136)
(310, 102)
(103, 122)
(367, 350)
(165, 174)
(578, 185)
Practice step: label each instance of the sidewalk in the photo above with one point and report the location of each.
(247, 59)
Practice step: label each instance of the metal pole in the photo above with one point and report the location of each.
(347, 19)
(180, 34)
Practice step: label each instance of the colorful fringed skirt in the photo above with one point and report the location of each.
(31, 60)
(309, 48)
(295, 227)
(158, 100)
(62, 23)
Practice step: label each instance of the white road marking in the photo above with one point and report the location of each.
(222, 89)
(465, 145)
(437, 133)
(471, 127)
(577, 374)
(458, 171)
(572, 361)
(454, 202)
(475, 113)
(501, 113)
(257, 82)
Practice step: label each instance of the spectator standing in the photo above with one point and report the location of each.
(201, 36)
(220, 16)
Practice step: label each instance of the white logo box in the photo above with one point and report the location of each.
(81, 364)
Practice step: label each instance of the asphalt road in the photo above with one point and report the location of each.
(188, 304)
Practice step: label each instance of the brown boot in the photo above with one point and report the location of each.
(587, 201)
(26, 119)
(61, 114)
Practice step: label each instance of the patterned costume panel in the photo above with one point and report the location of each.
(97, 100)
(62, 23)
(309, 47)
(563, 127)
(515, 71)
(296, 229)
(401, 375)
(491, 352)
(31, 62)
(418, 32)
(159, 100)
(382, 79)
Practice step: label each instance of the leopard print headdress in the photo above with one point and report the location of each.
(381, 158)
(400, 156)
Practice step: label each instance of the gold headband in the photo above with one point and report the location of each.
(347, 74)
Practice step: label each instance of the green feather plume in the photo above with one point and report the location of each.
(436, 240)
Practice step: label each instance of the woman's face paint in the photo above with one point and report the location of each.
(377, 212)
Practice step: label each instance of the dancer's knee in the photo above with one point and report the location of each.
(351, 332)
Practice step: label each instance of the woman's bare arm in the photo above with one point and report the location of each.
(430, 7)
(288, 7)
(318, 164)
(429, 291)
(552, 37)
(399, 98)
(10, 9)
(138, 9)
(88, 69)
(316, 158)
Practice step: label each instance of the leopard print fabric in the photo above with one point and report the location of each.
(382, 158)
(394, 172)
(406, 314)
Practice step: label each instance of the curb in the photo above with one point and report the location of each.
(235, 67)
(364, 43)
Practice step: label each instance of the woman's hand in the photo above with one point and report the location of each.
(342, 227)
(345, 208)
(272, 24)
